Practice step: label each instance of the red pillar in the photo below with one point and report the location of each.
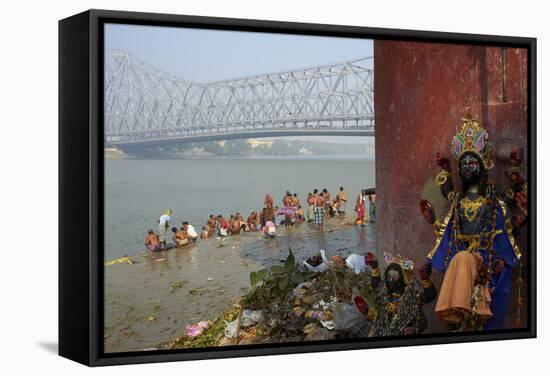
(422, 92)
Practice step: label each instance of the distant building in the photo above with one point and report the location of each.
(113, 153)
(259, 142)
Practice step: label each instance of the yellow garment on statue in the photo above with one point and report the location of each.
(455, 297)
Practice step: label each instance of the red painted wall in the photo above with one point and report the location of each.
(422, 92)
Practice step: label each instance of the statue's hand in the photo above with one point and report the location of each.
(479, 258)
(521, 201)
(442, 162)
(516, 157)
(425, 272)
(427, 211)
(499, 266)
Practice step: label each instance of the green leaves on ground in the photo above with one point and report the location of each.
(288, 268)
(257, 276)
(290, 262)
(273, 284)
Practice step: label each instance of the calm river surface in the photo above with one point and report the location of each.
(137, 191)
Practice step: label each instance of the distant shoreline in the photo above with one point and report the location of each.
(337, 157)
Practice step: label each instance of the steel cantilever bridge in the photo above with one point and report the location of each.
(145, 106)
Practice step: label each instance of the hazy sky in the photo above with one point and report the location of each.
(210, 55)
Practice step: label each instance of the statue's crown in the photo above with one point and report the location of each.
(473, 138)
(401, 261)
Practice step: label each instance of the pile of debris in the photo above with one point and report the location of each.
(318, 299)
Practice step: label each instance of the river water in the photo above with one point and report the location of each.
(137, 191)
(142, 307)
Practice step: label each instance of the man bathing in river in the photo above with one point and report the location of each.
(152, 241)
(342, 201)
(164, 224)
(211, 225)
(319, 211)
(242, 223)
(310, 203)
(296, 200)
(335, 206)
(251, 222)
(190, 230)
(235, 225)
(223, 226)
(180, 237)
(326, 195)
(328, 204)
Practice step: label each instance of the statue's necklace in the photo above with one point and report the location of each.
(471, 207)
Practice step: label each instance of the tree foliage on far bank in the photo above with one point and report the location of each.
(244, 148)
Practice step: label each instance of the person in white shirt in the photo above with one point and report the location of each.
(164, 224)
(191, 233)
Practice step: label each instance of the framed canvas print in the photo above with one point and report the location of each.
(235, 187)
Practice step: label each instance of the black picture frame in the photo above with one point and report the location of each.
(81, 184)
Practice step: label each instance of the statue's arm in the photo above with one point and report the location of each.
(429, 292)
(516, 194)
(375, 277)
(444, 181)
(444, 178)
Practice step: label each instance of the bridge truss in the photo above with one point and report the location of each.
(144, 104)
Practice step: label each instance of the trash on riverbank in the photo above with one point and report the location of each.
(249, 317)
(210, 336)
(197, 329)
(231, 329)
(289, 303)
(120, 260)
(318, 263)
(356, 263)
